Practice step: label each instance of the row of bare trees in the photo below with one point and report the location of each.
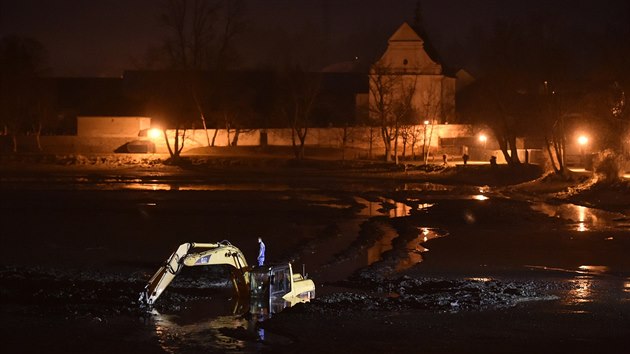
(532, 85)
(404, 110)
(26, 98)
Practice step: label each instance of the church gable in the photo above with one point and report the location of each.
(405, 53)
(405, 33)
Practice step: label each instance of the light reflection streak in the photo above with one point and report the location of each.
(583, 219)
(480, 279)
(581, 291)
(594, 269)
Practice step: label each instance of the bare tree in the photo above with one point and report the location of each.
(22, 63)
(43, 108)
(390, 103)
(200, 35)
(299, 95)
(344, 135)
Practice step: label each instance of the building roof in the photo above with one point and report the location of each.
(405, 33)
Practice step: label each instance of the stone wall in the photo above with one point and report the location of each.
(357, 138)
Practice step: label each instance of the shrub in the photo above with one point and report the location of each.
(608, 166)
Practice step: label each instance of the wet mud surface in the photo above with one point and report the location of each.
(416, 267)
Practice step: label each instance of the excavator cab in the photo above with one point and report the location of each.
(279, 282)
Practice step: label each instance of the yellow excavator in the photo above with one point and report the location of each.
(267, 282)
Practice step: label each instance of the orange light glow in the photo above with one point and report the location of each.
(583, 140)
(154, 133)
(483, 138)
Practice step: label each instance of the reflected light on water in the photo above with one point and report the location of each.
(582, 218)
(425, 206)
(389, 207)
(581, 291)
(596, 269)
(414, 247)
(480, 197)
(485, 280)
(205, 333)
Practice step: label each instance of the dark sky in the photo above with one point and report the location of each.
(102, 38)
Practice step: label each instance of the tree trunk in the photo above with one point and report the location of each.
(370, 143)
(396, 146)
(15, 143)
(387, 141)
(237, 132)
(552, 160)
(214, 136)
(38, 133)
(168, 144)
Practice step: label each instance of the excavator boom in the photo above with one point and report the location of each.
(192, 254)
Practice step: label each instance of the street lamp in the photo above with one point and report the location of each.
(424, 142)
(582, 141)
(483, 139)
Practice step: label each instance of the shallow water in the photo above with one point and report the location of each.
(583, 219)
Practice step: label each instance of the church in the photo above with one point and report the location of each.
(432, 92)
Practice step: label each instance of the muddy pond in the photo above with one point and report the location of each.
(76, 253)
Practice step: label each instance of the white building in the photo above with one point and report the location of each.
(406, 58)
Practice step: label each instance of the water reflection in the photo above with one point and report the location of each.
(385, 206)
(190, 187)
(382, 244)
(594, 269)
(413, 248)
(580, 217)
(427, 187)
(176, 337)
(480, 197)
(581, 290)
(214, 329)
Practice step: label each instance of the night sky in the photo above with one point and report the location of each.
(103, 38)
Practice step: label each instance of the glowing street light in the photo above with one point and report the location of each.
(154, 133)
(582, 140)
(483, 138)
(424, 143)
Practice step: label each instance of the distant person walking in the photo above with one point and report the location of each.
(465, 157)
(261, 252)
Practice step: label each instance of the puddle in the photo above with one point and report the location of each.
(582, 218)
(416, 247)
(218, 324)
(386, 256)
(581, 291)
(387, 207)
(429, 187)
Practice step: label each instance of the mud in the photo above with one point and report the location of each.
(399, 266)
